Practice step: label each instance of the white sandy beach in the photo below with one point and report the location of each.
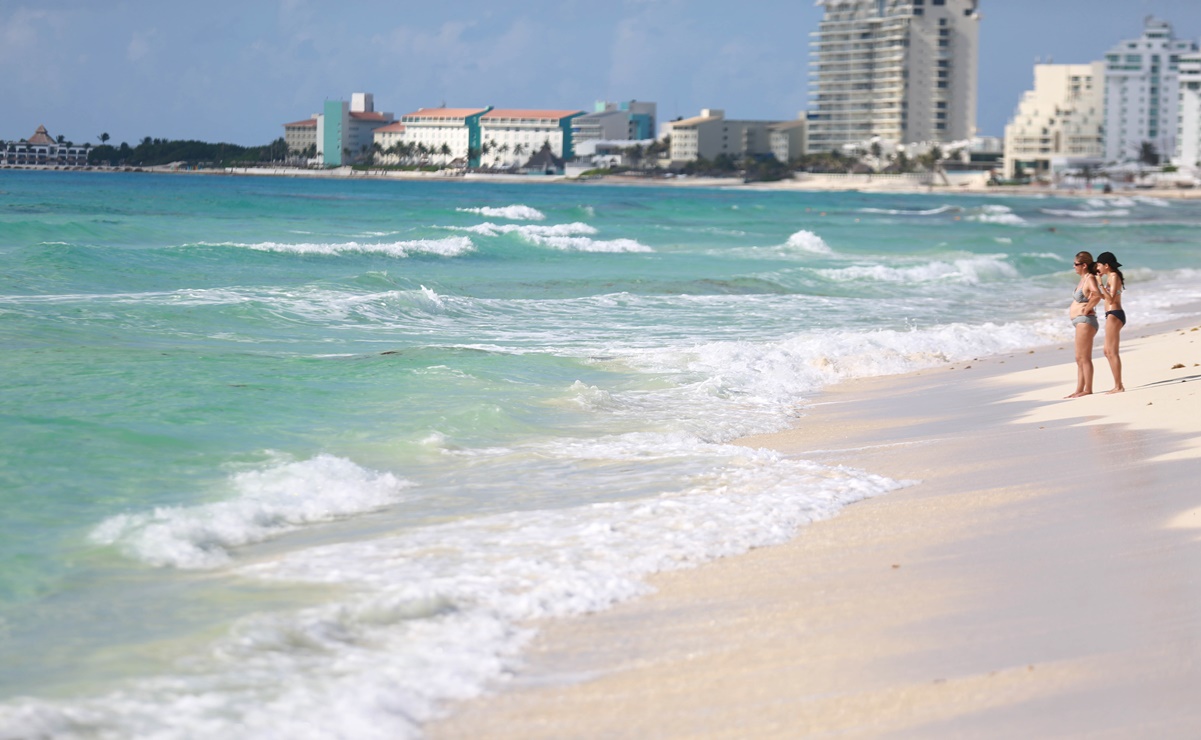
(1041, 577)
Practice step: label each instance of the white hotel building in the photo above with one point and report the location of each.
(503, 137)
(1061, 119)
(1142, 96)
(902, 70)
(1188, 147)
(452, 130)
(511, 136)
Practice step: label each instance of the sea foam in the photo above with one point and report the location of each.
(265, 503)
(807, 241)
(573, 237)
(449, 247)
(995, 214)
(433, 614)
(969, 270)
(515, 212)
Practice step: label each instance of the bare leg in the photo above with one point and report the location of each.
(1113, 338)
(1085, 333)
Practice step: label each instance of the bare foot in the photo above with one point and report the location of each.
(1119, 389)
(1077, 394)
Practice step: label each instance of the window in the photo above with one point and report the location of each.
(938, 2)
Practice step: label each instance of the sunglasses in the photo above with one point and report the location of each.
(1080, 264)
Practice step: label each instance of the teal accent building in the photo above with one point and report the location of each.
(336, 119)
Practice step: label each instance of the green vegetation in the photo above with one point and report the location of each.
(155, 152)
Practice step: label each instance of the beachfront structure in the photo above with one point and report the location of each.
(301, 136)
(710, 135)
(344, 131)
(1188, 144)
(1142, 93)
(1062, 118)
(901, 70)
(341, 132)
(502, 138)
(789, 139)
(626, 121)
(41, 150)
(510, 136)
(436, 135)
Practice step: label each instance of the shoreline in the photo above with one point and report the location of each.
(870, 184)
(1042, 575)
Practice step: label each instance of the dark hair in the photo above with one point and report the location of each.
(1087, 258)
(1107, 259)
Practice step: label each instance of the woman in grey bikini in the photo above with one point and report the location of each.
(1083, 314)
(1112, 285)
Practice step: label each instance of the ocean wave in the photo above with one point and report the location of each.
(267, 503)
(1148, 200)
(435, 613)
(1122, 201)
(514, 212)
(739, 388)
(902, 212)
(449, 247)
(528, 230)
(584, 244)
(807, 241)
(572, 237)
(968, 270)
(1071, 213)
(996, 214)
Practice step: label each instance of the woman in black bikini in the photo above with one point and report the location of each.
(1112, 286)
(1084, 320)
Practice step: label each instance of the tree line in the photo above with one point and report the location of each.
(152, 152)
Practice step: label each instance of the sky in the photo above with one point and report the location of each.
(236, 71)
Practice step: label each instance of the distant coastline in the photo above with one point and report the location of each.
(968, 183)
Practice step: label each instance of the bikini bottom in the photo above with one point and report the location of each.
(1086, 319)
(1120, 315)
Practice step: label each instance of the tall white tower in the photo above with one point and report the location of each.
(903, 70)
(1142, 93)
(1188, 149)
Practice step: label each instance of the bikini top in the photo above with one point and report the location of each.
(1078, 296)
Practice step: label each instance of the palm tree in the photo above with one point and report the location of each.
(445, 150)
(104, 137)
(1148, 154)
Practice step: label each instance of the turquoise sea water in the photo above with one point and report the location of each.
(305, 458)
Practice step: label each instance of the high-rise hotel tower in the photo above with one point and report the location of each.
(903, 70)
